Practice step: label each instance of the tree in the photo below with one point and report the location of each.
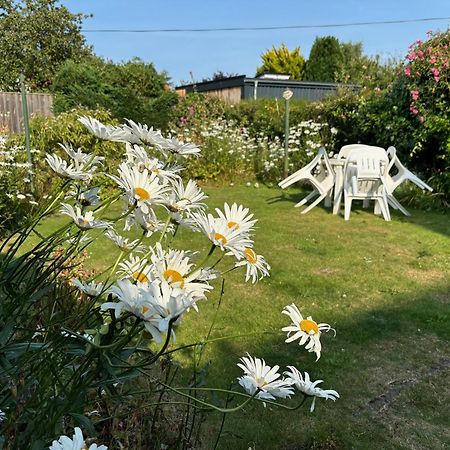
(325, 59)
(361, 69)
(282, 60)
(132, 90)
(36, 37)
(219, 75)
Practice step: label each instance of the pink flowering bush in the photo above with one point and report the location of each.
(426, 82)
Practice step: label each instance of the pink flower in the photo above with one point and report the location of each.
(420, 54)
(435, 73)
(432, 59)
(414, 95)
(411, 56)
(407, 71)
(421, 119)
(413, 109)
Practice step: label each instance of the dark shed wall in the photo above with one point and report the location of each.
(301, 91)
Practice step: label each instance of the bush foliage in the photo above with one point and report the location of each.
(132, 90)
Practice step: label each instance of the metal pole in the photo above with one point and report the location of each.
(286, 136)
(26, 126)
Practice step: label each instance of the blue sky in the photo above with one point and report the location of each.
(239, 51)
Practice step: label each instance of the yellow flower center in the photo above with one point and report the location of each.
(140, 276)
(144, 309)
(172, 277)
(261, 382)
(142, 193)
(250, 255)
(309, 326)
(221, 238)
(233, 225)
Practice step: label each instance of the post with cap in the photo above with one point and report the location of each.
(287, 94)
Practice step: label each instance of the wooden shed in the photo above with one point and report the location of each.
(235, 89)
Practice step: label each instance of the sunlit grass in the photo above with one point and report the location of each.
(384, 286)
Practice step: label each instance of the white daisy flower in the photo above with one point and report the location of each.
(108, 132)
(258, 375)
(185, 199)
(307, 330)
(136, 268)
(147, 222)
(155, 303)
(175, 267)
(140, 187)
(169, 303)
(82, 160)
(64, 170)
(137, 155)
(173, 145)
(91, 289)
(131, 298)
(237, 217)
(83, 222)
(255, 264)
(76, 443)
(221, 235)
(208, 274)
(142, 134)
(305, 385)
(124, 244)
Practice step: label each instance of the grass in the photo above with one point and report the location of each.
(384, 286)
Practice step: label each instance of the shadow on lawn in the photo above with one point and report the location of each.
(405, 341)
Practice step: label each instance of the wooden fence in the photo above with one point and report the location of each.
(11, 115)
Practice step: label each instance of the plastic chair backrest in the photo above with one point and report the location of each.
(345, 151)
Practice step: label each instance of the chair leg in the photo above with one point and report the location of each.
(384, 208)
(328, 199)
(377, 210)
(307, 198)
(397, 205)
(337, 202)
(314, 203)
(347, 207)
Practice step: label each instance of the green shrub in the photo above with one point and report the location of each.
(132, 90)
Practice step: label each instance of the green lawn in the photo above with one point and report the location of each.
(384, 286)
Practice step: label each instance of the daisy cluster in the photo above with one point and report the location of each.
(231, 144)
(156, 284)
(267, 383)
(13, 165)
(305, 138)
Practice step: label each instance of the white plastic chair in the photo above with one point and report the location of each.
(319, 173)
(403, 174)
(364, 174)
(344, 153)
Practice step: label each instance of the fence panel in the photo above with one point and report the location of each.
(11, 116)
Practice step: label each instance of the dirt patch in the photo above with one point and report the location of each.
(427, 276)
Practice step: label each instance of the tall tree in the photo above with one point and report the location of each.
(282, 60)
(36, 37)
(325, 59)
